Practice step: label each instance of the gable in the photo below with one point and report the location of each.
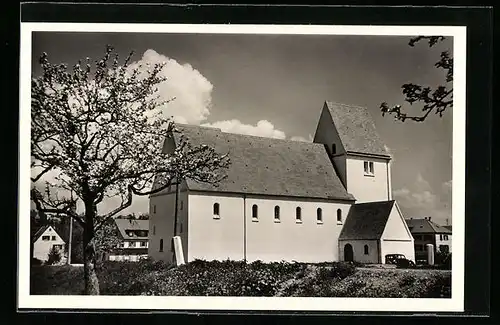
(356, 129)
(47, 231)
(268, 166)
(396, 227)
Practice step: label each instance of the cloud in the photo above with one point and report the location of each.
(301, 138)
(190, 90)
(263, 128)
(447, 186)
(419, 199)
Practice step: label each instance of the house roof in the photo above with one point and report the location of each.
(269, 166)
(126, 225)
(366, 220)
(356, 129)
(448, 227)
(42, 230)
(425, 226)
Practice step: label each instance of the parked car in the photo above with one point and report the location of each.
(400, 260)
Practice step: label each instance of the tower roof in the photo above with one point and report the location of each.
(356, 129)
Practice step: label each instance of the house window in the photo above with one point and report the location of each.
(143, 244)
(366, 249)
(445, 237)
(161, 245)
(298, 214)
(339, 216)
(444, 248)
(182, 205)
(45, 237)
(154, 230)
(122, 244)
(53, 237)
(154, 208)
(441, 237)
(319, 215)
(334, 149)
(255, 215)
(216, 210)
(276, 213)
(58, 247)
(369, 169)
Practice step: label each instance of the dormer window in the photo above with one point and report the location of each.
(369, 169)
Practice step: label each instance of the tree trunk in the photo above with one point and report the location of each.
(89, 254)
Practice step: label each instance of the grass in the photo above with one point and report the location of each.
(201, 278)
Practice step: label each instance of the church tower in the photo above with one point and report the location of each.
(357, 151)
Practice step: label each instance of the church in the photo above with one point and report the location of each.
(283, 200)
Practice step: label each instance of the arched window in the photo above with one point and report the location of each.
(276, 213)
(161, 245)
(216, 209)
(334, 149)
(366, 249)
(255, 211)
(339, 215)
(298, 214)
(319, 215)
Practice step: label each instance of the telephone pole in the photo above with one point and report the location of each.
(70, 231)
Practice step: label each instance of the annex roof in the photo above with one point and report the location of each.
(131, 228)
(366, 220)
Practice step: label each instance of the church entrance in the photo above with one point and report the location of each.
(348, 253)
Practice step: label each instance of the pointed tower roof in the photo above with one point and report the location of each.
(356, 129)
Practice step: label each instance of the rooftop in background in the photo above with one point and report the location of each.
(426, 226)
(366, 220)
(133, 228)
(269, 166)
(356, 129)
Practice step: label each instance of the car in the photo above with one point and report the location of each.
(400, 260)
(393, 258)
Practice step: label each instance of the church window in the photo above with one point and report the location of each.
(154, 208)
(276, 213)
(319, 215)
(366, 249)
(339, 216)
(298, 214)
(216, 210)
(154, 230)
(255, 211)
(334, 149)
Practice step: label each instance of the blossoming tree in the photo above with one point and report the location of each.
(99, 129)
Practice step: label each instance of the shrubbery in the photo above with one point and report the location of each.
(237, 278)
(54, 256)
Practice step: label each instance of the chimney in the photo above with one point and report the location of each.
(429, 219)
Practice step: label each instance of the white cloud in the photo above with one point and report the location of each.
(263, 128)
(301, 138)
(447, 186)
(419, 199)
(191, 90)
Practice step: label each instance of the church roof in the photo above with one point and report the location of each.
(425, 226)
(269, 166)
(366, 220)
(356, 129)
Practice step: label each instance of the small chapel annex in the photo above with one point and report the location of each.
(282, 200)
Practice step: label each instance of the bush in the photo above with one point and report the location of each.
(54, 256)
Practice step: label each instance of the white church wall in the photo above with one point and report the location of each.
(358, 247)
(161, 224)
(368, 187)
(289, 239)
(213, 237)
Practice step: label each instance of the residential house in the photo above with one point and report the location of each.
(425, 231)
(329, 200)
(44, 239)
(134, 240)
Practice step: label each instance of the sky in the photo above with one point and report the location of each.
(275, 86)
